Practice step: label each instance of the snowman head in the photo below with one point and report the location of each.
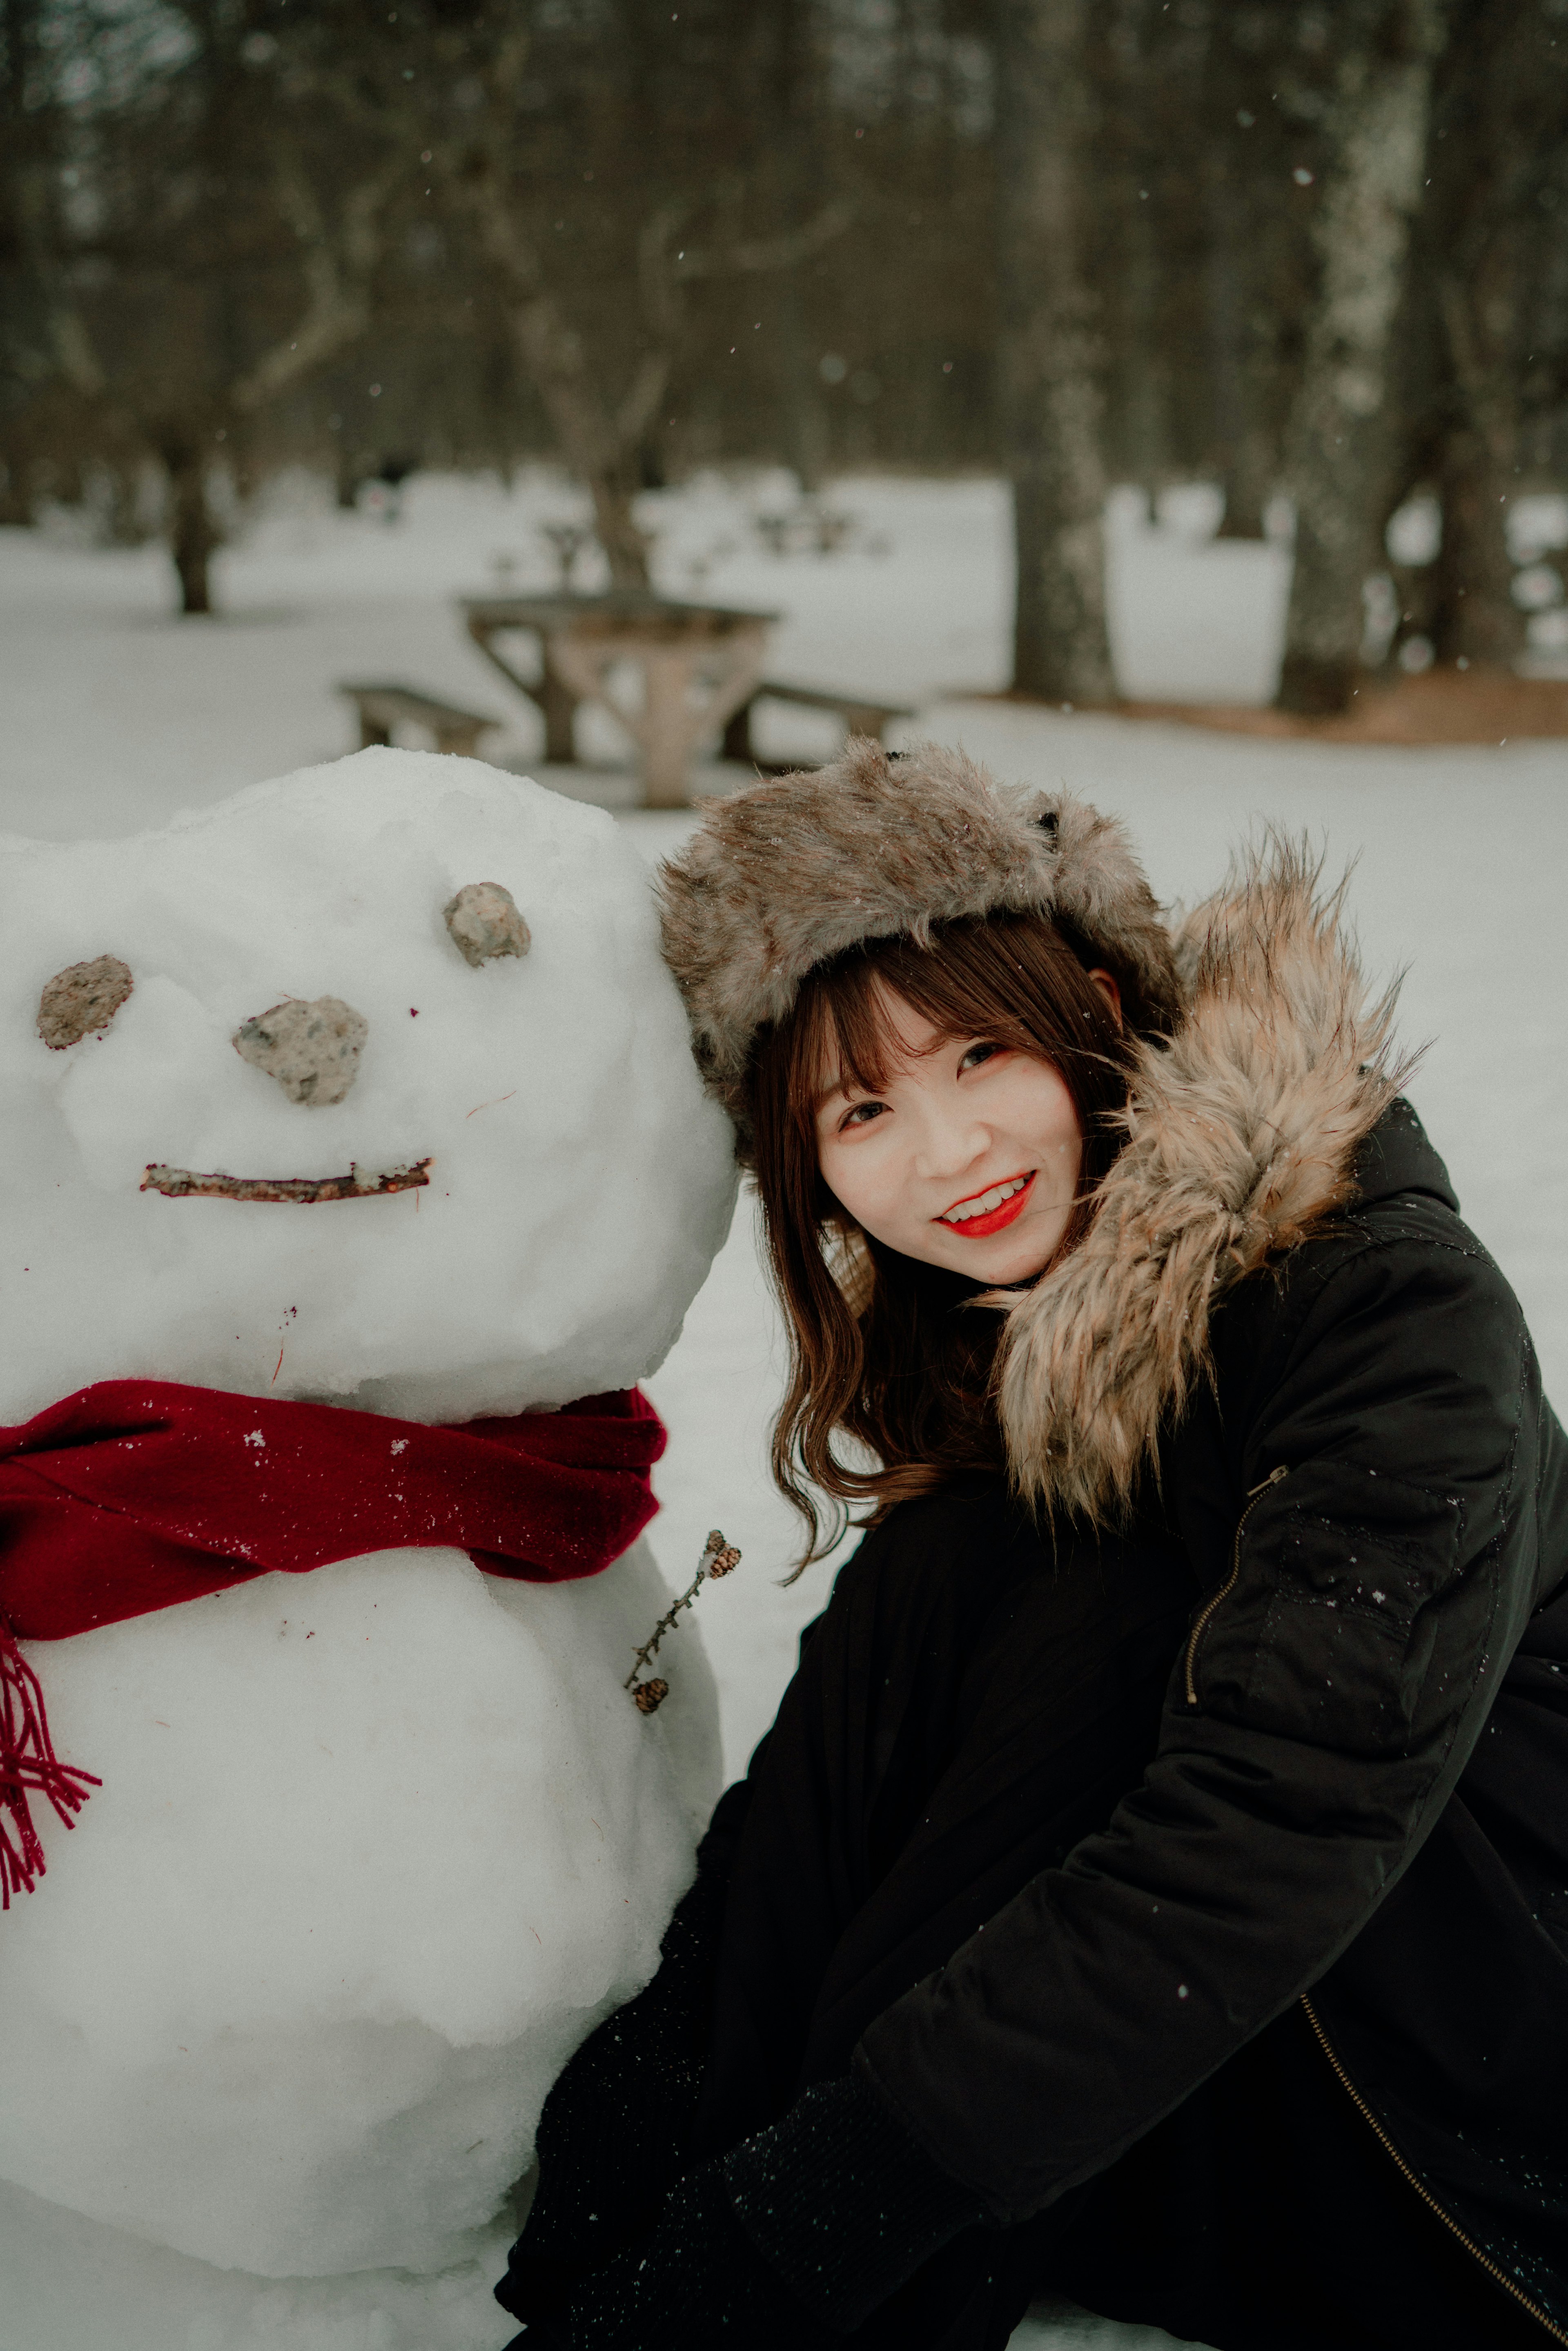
(368, 1086)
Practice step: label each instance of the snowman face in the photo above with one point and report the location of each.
(368, 1085)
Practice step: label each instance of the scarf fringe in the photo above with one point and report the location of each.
(29, 1767)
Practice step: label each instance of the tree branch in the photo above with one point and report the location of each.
(75, 353)
(338, 291)
(750, 254)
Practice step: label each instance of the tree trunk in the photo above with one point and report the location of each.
(1337, 440)
(1049, 354)
(1499, 110)
(193, 535)
(613, 489)
(602, 456)
(1248, 461)
(1477, 459)
(1249, 484)
(15, 494)
(792, 91)
(1474, 618)
(805, 426)
(1146, 361)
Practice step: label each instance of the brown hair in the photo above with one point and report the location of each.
(885, 1350)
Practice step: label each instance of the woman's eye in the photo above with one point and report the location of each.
(977, 1054)
(861, 1115)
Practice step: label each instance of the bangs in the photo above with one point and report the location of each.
(973, 981)
(846, 1034)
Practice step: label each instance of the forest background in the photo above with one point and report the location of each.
(1317, 254)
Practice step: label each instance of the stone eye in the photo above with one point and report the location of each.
(311, 1049)
(82, 998)
(485, 923)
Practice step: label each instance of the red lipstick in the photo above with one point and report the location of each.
(995, 1220)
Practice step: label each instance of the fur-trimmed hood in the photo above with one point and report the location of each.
(1242, 1129)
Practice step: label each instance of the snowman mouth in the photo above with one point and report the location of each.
(359, 1184)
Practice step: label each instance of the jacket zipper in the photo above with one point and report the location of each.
(1254, 1494)
(1499, 2277)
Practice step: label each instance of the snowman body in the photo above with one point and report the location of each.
(378, 1843)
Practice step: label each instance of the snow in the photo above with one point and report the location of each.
(1192, 618)
(119, 717)
(376, 1846)
(579, 1182)
(73, 2285)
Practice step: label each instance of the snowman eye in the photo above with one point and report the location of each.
(82, 999)
(485, 923)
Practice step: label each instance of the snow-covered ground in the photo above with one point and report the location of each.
(116, 715)
(115, 712)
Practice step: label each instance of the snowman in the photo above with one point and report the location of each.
(356, 1168)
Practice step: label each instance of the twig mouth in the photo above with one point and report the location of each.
(359, 1184)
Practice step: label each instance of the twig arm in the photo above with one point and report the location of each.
(718, 1558)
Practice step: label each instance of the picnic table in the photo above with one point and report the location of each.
(699, 663)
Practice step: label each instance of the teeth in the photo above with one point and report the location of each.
(986, 1202)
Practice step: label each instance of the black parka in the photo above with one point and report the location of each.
(1360, 1794)
(1230, 1844)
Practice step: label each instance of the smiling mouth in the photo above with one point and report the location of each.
(359, 1184)
(986, 1212)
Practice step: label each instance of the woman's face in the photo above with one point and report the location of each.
(967, 1158)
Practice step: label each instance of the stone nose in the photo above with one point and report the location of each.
(311, 1049)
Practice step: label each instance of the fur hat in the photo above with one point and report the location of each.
(789, 874)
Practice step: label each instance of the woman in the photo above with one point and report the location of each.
(1154, 1887)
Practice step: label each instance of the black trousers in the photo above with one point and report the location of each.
(968, 1708)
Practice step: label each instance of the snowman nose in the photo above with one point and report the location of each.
(311, 1049)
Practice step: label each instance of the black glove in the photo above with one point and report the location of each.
(612, 2140)
(789, 2244)
(697, 2282)
(841, 2203)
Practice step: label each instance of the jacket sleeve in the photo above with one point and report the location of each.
(1337, 1677)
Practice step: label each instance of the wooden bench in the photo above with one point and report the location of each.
(860, 716)
(383, 707)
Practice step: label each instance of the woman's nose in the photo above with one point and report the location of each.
(951, 1139)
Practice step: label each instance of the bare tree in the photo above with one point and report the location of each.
(193, 263)
(1156, 239)
(1338, 440)
(600, 423)
(1048, 355)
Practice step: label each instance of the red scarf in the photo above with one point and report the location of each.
(135, 1494)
